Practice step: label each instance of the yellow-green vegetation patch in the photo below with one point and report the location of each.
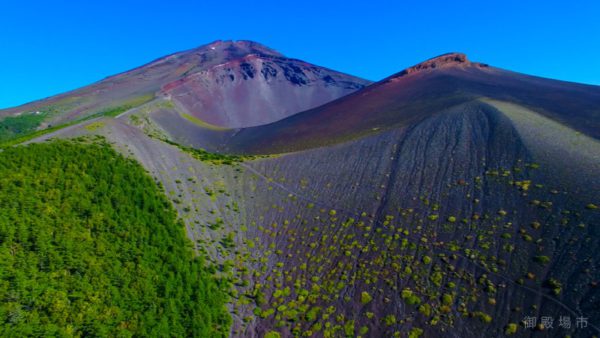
(214, 158)
(200, 122)
(114, 111)
(95, 126)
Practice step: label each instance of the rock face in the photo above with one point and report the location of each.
(257, 89)
(228, 83)
(442, 61)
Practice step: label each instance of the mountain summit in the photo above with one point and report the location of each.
(254, 86)
(442, 61)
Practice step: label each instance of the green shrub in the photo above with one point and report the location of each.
(410, 297)
(425, 310)
(363, 330)
(484, 317)
(349, 328)
(511, 329)
(389, 320)
(542, 259)
(555, 284)
(365, 297)
(447, 299)
(415, 332)
(436, 278)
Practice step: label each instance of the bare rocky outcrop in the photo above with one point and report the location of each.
(442, 61)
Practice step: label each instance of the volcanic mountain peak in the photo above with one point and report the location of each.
(217, 81)
(216, 52)
(256, 89)
(443, 61)
(239, 48)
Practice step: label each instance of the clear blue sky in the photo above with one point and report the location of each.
(48, 47)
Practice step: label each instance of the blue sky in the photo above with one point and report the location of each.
(48, 47)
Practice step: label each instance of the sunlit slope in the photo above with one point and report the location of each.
(569, 154)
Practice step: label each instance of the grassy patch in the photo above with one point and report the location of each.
(94, 126)
(201, 123)
(19, 129)
(214, 158)
(117, 110)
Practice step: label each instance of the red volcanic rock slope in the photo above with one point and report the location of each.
(257, 89)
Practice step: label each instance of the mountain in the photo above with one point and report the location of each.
(257, 89)
(215, 82)
(420, 92)
(452, 199)
(460, 197)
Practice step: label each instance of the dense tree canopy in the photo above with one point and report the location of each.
(90, 246)
(14, 126)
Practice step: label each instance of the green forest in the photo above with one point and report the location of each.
(90, 246)
(14, 126)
